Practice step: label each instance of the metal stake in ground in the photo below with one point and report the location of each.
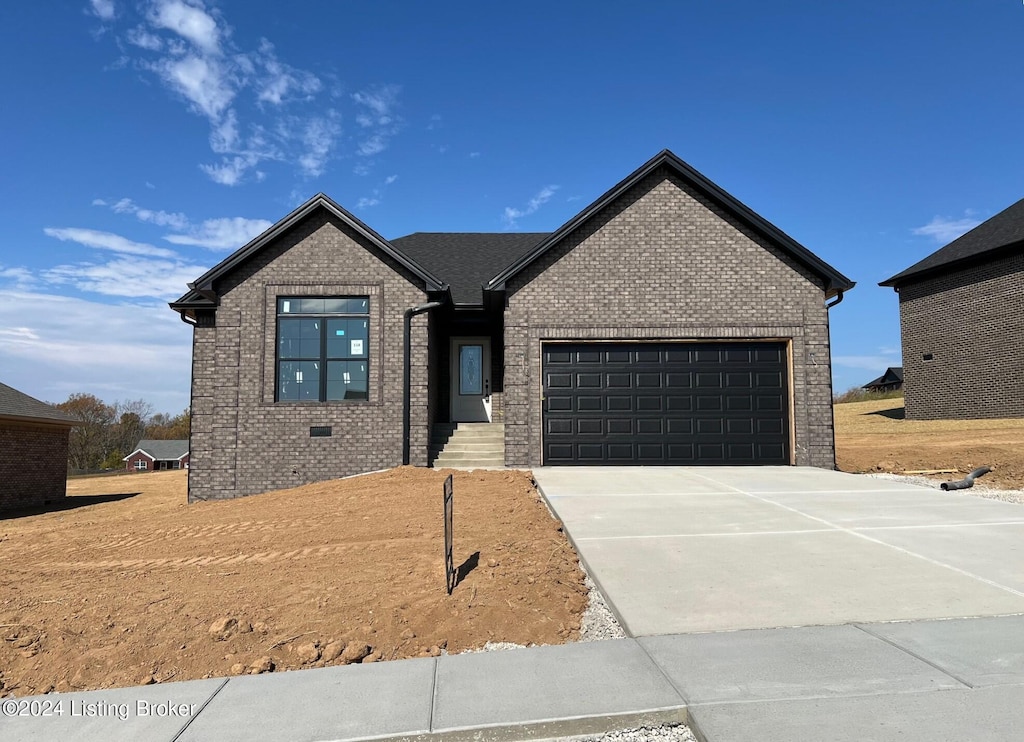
(449, 560)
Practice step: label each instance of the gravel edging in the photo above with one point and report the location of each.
(657, 733)
(978, 490)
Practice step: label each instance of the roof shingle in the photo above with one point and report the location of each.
(467, 260)
(15, 404)
(163, 450)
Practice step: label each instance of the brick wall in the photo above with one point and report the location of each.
(130, 463)
(33, 464)
(664, 263)
(972, 324)
(242, 441)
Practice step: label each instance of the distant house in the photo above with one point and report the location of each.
(33, 451)
(962, 324)
(890, 381)
(158, 456)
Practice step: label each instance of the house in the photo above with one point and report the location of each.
(33, 451)
(152, 455)
(666, 323)
(962, 324)
(890, 381)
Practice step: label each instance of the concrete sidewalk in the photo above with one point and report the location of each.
(926, 680)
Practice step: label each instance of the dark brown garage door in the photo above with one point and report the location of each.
(665, 403)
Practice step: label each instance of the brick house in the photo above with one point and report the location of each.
(33, 451)
(962, 324)
(666, 323)
(154, 455)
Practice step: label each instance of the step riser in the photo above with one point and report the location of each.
(468, 446)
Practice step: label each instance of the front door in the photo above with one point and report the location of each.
(471, 380)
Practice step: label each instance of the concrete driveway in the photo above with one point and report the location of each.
(679, 550)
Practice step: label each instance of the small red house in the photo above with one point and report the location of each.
(158, 456)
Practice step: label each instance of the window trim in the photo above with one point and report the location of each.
(323, 360)
(144, 467)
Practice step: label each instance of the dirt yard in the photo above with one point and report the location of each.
(874, 437)
(129, 585)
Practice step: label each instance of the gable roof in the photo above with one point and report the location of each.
(892, 375)
(202, 291)
(991, 239)
(160, 450)
(467, 260)
(835, 282)
(15, 405)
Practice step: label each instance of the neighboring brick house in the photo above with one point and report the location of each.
(962, 324)
(156, 455)
(33, 451)
(664, 324)
(890, 381)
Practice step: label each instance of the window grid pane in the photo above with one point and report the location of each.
(323, 358)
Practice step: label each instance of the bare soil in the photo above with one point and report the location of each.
(875, 437)
(129, 585)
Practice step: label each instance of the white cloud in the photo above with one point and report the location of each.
(319, 137)
(162, 279)
(19, 276)
(175, 220)
(204, 82)
(259, 108)
(116, 351)
(361, 169)
(107, 241)
(143, 39)
(372, 146)
(366, 202)
(474, 155)
(221, 234)
(103, 9)
(390, 179)
(190, 21)
(943, 229)
(377, 115)
(280, 81)
(231, 170)
(511, 214)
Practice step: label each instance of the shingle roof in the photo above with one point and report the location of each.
(891, 375)
(162, 450)
(15, 404)
(467, 260)
(988, 240)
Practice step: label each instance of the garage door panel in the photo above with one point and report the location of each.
(665, 403)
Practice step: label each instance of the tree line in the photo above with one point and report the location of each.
(109, 432)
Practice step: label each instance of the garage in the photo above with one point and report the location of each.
(668, 403)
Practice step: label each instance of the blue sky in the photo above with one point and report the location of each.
(143, 141)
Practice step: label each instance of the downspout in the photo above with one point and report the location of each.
(407, 380)
(831, 391)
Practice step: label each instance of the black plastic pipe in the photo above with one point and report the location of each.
(407, 380)
(968, 481)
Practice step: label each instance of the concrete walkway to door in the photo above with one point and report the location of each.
(679, 550)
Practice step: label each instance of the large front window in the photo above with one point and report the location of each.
(323, 349)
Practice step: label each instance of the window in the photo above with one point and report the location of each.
(141, 465)
(323, 349)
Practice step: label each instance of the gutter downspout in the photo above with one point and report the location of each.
(831, 391)
(407, 378)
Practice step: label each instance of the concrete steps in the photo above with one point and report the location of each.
(467, 446)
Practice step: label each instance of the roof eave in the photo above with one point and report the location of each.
(41, 420)
(914, 276)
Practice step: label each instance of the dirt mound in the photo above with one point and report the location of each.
(140, 589)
